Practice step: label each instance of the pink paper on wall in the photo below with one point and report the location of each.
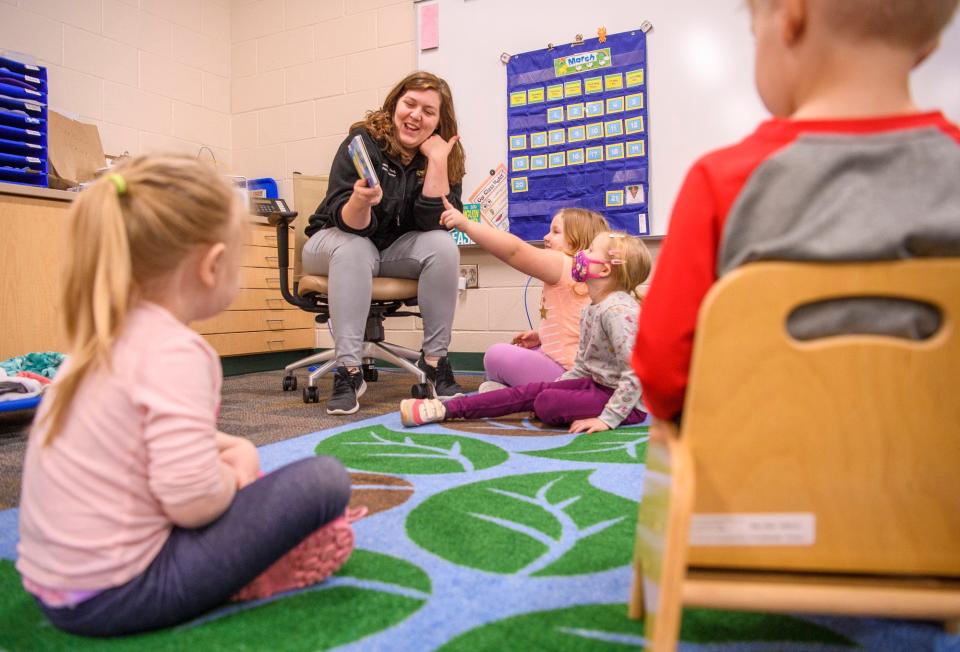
(429, 26)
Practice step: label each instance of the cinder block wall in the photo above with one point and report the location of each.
(151, 74)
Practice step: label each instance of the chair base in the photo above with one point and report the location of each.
(395, 354)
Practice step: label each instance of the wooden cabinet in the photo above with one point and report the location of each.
(33, 243)
(259, 320)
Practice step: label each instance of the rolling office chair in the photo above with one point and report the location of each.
(390, 297)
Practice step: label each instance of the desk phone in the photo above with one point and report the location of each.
(271, 209)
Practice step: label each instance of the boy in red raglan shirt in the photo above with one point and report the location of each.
(848, 169)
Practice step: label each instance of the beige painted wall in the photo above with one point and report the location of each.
(271, 85)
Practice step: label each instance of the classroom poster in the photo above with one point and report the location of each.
(577, 133)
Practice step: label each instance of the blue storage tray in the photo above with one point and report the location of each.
(13, 88)
(25, 135)
(24, 148)
(21, 120)
(27, 177)
(37, 80)
(22, 161)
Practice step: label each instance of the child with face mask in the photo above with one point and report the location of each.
(600, 392)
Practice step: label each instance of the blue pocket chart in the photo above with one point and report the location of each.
(589, 135)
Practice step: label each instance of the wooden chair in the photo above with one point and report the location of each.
(819, 476)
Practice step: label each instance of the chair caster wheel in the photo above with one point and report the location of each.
(370, 374)
(421, 390)
(289, 383)
(311, 394)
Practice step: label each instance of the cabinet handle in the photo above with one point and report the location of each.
(270, 237)
(270, 343)
(275, 321)
(280, 301)
(273, 279)
(273, 258)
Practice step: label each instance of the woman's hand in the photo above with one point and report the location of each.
(451, 218)
(588, 426)
(435, 148)
(240, 455)
(364, 196)
(528, 340)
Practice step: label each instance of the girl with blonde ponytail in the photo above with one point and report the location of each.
(136, 512)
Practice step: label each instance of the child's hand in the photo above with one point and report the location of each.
(436, 148)
(366, 196)
(240, 455)
(528, 340)
(588, 426)
(451, 218)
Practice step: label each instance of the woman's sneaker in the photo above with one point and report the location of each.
(314, 559)
(347, 388)
(490, 386)
(418, 411)
(441, 378)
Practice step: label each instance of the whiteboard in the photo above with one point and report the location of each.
(700, 86)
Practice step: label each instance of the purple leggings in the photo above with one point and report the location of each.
(556, 403)
(514, 365)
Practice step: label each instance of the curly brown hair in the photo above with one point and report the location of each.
(379, 123)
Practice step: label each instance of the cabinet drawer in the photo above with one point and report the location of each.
(262, 342)
(261, 235)
(257, 299)
(239, 321)
(254, 256)
(264, 278)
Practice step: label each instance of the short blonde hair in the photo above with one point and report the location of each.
(128, 228)
(912, 24)
(631, 262)
(581, 226)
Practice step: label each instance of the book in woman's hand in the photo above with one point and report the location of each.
(361, 160)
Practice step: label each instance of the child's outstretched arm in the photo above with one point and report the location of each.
(543, 264)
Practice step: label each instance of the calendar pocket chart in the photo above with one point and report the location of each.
(578, 133)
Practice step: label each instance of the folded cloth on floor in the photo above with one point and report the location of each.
(16, 388)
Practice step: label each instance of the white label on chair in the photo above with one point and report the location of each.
(771, 529)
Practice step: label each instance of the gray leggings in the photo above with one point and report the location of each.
(351, 262)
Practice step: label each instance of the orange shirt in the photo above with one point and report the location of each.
(560, 308)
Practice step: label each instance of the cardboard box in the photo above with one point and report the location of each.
(76, 152)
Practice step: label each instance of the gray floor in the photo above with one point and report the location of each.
(254, 406)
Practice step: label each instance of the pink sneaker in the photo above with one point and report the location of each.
(418, 411)
(314, 559)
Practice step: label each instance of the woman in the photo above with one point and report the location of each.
(392, 229)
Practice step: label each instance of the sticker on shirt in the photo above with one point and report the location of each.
(635, 194)
(634, 125)
(576, 134)
(613, 82)
(535, 95)
(520, 163)
(594, 109)
(538, 162)
(519, 184)
(575, 111)
(554, 92)
(557, 136)
(573, 88)
(595, 130)
(558, 160)
(614, 198)
(614, 104)
(518, 142)
(635, 148)
(614, 151)
(555, 115)
(575, 156)
(634, 102)
(635, 77)
(613, 128)
(518, 98)
(595, 154)
(594, 85)
(538, 139)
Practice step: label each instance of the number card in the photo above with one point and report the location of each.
(575, 111)
(614, 151)
(520, 163)
(594, 109)
(635, 102)
(558, 160)
(595, 130)
(614, 105)
(538, 139)
(555, 115)
(614, 198)
(634, 125)
(575, 156)
(519, 184)
(518, 142)
(576, 134)
(538, 162)
(635, 148)
(557, 136)
(613, 128)
(595, 154)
